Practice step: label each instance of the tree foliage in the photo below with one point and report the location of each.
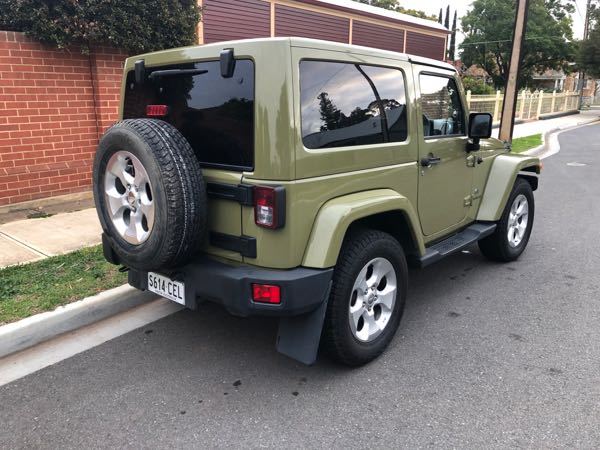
(588, 55)
(488, 27)
(393, 5)
(134, 25)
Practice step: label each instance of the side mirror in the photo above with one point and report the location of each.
(480, 127)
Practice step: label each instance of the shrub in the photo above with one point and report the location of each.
(477, 86)
(133, 25)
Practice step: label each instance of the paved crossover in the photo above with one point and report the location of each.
(488, 355)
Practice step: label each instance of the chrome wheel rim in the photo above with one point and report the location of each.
(129, 197)
(372, 299)
(518, 217)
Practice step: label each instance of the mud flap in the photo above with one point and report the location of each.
(298, 336)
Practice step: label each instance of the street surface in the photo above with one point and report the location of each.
(487, 356)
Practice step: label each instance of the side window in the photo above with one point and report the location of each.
(345, 104)
(389, 86)
(443, 113)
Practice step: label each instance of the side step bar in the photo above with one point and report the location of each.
(455, 243)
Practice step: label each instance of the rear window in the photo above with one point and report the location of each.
(344, 104)
(215, 114)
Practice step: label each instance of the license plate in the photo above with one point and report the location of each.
(165, 287)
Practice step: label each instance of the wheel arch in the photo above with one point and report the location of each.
(503, 174)
(380, 209)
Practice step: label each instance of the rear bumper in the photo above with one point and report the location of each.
(302, 290)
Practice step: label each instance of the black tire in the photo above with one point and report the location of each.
(338, 340)
(179, 193)
(496, 246)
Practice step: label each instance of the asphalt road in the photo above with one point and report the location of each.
(487, 355)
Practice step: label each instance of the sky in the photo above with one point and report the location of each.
(433, 7)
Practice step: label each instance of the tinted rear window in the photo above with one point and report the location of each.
(215, 114)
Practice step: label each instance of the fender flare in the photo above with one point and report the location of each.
(335, 217)
(501, 179)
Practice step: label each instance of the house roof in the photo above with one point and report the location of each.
(378, 13)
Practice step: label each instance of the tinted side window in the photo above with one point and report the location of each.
(215, 114)
(442, 109)
(341, 108)
(389, 85)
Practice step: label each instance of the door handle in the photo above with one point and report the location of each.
(430, 161)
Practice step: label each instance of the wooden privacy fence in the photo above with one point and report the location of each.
(530, 105)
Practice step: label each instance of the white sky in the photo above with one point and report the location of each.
(433, 7)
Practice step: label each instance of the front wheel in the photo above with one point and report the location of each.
(514, 227)
(367, 298)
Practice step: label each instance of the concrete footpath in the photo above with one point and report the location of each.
(545, 126)
(29, 240)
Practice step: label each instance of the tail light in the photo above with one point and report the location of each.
(157, 110)
(266, 293)
(269, 206)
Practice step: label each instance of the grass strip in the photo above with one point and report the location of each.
(522, 144)
(43, 285)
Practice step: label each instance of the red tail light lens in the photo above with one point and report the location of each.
(269, 206)
(157, 110)
(266, 293)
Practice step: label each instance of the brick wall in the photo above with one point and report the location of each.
(54, 104)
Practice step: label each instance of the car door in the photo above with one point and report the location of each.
(445, 178)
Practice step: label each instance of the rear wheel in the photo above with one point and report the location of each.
(149, 194)
(514, 227)
(367, 298)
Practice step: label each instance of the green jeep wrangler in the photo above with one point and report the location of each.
(297, 178)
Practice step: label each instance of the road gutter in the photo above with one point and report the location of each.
(18, 336)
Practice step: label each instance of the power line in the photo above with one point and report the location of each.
(503, 40)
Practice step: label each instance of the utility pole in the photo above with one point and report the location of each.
(586, 28)
(507, 120)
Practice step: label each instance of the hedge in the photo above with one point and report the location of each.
(133, 25)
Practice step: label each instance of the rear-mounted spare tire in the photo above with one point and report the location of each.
(149, 193)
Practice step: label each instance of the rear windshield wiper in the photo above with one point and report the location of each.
(175, 73)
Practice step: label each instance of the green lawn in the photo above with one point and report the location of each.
(43, 285)
(526, 143)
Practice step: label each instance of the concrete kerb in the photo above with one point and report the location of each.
(33, 330)
(550, 145)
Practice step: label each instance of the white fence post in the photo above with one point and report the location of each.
(540, 101)
(497, 106)
(566, 101)
(469, 99)
(531, 94)
(522, 110)
(553, 101)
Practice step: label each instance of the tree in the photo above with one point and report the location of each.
(447, 19)
(588, 55)
(452, 52)
(440, 16)
(393, 5)
(330, 114)
(548, 43)
(134, 25)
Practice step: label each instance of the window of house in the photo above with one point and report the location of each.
(344, 104)
(443, 114)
